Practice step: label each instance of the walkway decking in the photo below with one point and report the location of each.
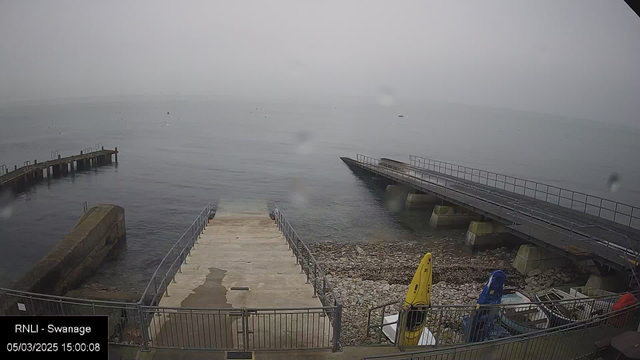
(574, 234)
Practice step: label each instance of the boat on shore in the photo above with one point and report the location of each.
(563, 308)
(523, 316)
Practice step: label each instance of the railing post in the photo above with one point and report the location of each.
(143, 329)
(245, 330)
(324, 288)
(155, 286)
(337, 325)
(399, 340)
(315, 280)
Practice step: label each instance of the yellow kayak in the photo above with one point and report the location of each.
(418, 295)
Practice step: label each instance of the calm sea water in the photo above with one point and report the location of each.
(172, 165)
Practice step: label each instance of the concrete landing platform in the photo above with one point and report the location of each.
(242, 247)
(241, 261)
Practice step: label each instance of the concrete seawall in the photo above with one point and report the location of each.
(79, 254)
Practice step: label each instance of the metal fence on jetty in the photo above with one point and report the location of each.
(621, 213)
(147, 325)
(562, 231)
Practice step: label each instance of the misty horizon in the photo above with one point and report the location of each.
(575, 59)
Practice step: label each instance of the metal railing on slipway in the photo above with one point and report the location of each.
(171, 263)
(537, 223)
(314, 272)
(574, 340)
(147, 325)
(242, 329)
(308, 263)
(615, 211)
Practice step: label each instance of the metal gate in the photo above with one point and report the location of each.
(241, 329)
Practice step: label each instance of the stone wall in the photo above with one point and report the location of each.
(79, 254)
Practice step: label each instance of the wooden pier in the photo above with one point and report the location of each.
(20, 177)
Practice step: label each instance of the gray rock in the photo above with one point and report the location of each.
(534, 272)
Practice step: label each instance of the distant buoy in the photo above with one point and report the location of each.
(167, 113)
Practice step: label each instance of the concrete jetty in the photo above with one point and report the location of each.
(567, 223)
(241, 261)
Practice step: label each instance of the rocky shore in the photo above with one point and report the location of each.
(372, 274)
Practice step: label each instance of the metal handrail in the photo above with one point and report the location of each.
(245, 308)
(39, 296)
(541, 216)
(542, 188)
(298, 246)
(573, 228)
(578, 325)
(567, 303)
(194, 231)
(306, 260)
(573, 231)
(368, 161)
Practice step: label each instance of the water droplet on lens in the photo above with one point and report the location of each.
(6, 212)
(386, 98)
(613, 182)
(298, 193)
(304, 142)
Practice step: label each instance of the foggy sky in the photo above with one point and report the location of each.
(577, 58)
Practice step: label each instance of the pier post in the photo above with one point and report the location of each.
(48, 172)
(531, 257)
(420, 201)
(483, 234)
(116, 154)
(451, 216)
